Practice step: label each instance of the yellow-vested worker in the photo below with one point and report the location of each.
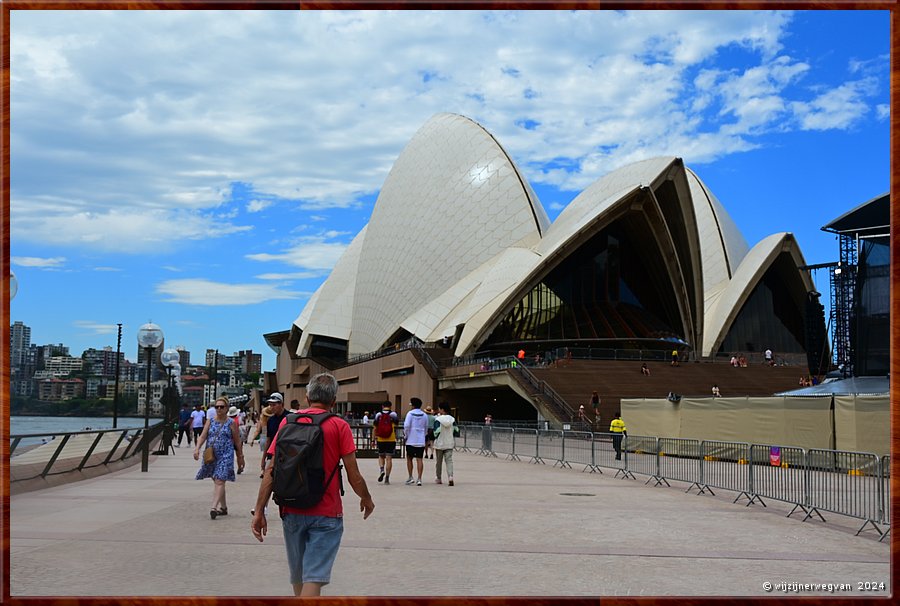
(617, 429)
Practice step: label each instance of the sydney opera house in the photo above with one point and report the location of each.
(460, 253)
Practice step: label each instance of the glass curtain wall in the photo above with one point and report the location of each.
(613, 289)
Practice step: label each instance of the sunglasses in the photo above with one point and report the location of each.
(220, 407)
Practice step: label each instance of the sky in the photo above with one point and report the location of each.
(205, 170)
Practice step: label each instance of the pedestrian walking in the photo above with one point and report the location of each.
(444, 442)
(415, 426)
(312, 535)
(198, 420)
(271, 420)
(386, 440)
(184, 425)
(221, 434)
(429, 433)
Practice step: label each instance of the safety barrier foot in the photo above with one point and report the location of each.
(884, 534)
(593, 468)
(809, 513)
(866, 523)
(513, 457)
(537, 460)
(704, 488)
(743, 494)
(755, 498)
(625, 474)
(689, 488)
(562, 464)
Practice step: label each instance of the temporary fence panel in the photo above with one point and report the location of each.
(778, 472)
(551, 446)
(641, 456)
(851, 487)
(462, 444)
(578, 448)
(725, 465)
(502, 440)
(885, 493)
(527, 445)
(679, 459)
(487, 435)
(605, 454)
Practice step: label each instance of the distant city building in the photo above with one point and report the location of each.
(101, 362)
(184, 357)
(19, 343)
(157, 351)
(211, 359)
(57, 390)
(156, 393)
(62, 366)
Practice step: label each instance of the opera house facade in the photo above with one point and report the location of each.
(459, 251)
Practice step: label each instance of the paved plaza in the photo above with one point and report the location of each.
(508, 528)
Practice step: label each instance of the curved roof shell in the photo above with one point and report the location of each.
(457, 237)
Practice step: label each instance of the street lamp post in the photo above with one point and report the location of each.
(169, 359)
(149, 336)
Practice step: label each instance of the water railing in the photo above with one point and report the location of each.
(77, 451)
(853, 484)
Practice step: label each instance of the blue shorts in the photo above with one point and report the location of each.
(312, 544)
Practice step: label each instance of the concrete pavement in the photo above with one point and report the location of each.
(508, 528)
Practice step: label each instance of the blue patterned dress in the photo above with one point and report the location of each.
(220, 440)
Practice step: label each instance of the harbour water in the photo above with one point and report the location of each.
(20, 425)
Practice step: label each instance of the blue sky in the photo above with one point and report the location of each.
(205, 170)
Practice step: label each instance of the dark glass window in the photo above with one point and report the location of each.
(772, 317)
(614, 288)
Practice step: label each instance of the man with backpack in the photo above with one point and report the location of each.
(305, 476)
(415, 426)
(386, 440)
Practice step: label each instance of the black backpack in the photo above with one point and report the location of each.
(299, 474)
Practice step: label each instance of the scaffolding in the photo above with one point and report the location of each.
(843, 287)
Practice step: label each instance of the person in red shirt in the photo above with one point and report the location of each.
(312, 536)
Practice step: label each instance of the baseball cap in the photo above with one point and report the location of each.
(276, 397)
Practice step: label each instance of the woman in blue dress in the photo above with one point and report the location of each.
(223, 436)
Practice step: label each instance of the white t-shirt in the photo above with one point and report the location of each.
(197, 418)
(414, 427)
(211, 413)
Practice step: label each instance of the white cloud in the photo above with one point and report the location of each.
(254, 206)
(883, 111)
(196, 291)
(121, 230)
(41, 262)
(104, 268)
(302, 275)
(312, 253)
(96, 328)
(838, 108)
(125, 114)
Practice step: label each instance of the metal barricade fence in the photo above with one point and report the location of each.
(462, 443)
(605, 453)
(502, 441)
(885, 494)
(779, 473)
(579, 448)
(551, 446)
(641, 457)
(725, 465)
(679, 459)
(527, 445)
(847, 483)
(487, 435)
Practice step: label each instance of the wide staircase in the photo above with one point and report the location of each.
(614, 380)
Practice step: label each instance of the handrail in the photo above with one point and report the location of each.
(80, 451)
